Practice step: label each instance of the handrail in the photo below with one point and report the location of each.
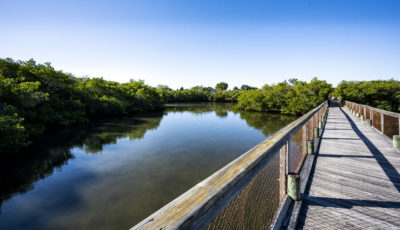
(389, 127)
(385, 112)
(191, 207)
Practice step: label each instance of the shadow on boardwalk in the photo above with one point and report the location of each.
(353, 183)
(387, 167)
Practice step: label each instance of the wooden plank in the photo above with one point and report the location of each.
(348, 212)
(352, 187)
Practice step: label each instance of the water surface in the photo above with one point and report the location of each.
(112, 173)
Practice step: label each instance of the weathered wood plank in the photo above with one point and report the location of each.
(355, 182)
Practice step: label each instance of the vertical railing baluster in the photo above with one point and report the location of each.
(371, 116)
(305, 138)
(382, 124)
(365, 112)
(282, 172)
(288, 156)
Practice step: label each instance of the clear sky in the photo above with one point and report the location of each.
(202, 42)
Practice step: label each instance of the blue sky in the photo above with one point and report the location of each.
(202, 42)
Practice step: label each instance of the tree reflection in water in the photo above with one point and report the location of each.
(53, 150)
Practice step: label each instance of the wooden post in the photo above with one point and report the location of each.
(371, 116)
(313, 125)
(365, 112)
(282, 172)
(293, 186)
(288, 156)
(316, 132)
(382, 124)
(310, 147)
(304, 138)
(396, 141)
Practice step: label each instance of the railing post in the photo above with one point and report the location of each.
(294, 186)
(282, 172)
(396, 141)
(382, 124)
(305, 138)
(310, 147)
(365, 112)
(371, 116)
(314, 121)
(316, 132)
(288, 156)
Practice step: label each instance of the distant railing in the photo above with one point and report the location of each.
(384, 121)
(245, 193)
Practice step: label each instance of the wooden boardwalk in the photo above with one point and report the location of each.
(355, 183)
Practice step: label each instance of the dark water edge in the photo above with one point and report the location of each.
(112, 173)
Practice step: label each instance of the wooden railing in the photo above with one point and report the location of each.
(223, 194)
(386, 122)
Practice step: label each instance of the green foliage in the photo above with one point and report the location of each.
(380, 94)
(12, 132)
(36, 97)
(293, 97)
(252, 100)
(199, 94)
(247, 87)
(221, 86)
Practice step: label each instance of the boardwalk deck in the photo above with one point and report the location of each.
(356, 182)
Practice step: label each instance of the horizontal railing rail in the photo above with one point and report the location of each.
(386, 122)
(203, 203)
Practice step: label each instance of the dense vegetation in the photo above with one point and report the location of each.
(293, 97)
(200, 94)
(380, 94)
(35, 98)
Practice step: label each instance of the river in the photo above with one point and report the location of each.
(112, 173)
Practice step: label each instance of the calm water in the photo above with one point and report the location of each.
(113, 173)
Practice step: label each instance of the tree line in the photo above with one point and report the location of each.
(287, 97)
(382, 94)
(35, 98)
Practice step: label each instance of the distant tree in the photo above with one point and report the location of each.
(293, 97)
(293, 81)
(383, 94)
(210, 89)
(181, 89)
(164, 87)
(221, 86)
(200, 88)
(235, 88)
(247, 87)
